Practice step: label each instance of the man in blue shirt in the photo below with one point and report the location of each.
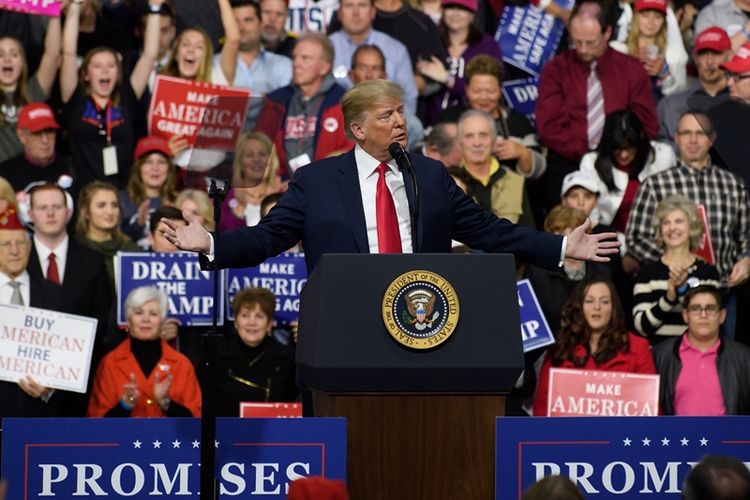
(356, 20)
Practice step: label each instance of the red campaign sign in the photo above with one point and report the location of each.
(706, 249)
(591, 393)
(271, 410)
(40, 7)
(209, 116)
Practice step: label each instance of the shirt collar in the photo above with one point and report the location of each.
(685, 345)
(366, 163)
(43, 251)
(22, 278)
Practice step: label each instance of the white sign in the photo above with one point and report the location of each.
(53, 348)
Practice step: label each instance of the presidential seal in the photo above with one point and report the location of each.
(420, 309)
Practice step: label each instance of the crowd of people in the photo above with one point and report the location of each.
(641, 127)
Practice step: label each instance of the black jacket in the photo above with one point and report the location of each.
(732, 364)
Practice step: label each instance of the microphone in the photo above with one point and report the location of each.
(399, 154)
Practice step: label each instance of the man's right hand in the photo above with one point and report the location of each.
(192, 238)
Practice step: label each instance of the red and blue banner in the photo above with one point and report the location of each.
(160, 457)
(612, 457)
(535, 330)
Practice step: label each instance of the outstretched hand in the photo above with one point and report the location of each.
(593, 247)
(192, 238)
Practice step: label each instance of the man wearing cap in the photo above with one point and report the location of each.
(37, 130)
(712, 48)
(19, 287)
(356, 21)
(732, 15)
(580, 86)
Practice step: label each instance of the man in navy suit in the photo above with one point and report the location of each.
(331, 204)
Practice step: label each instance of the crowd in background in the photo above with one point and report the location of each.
(642, 124)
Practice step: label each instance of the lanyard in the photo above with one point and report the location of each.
(107, 119)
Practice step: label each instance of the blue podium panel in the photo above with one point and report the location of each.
(147, 458)
(613, 457)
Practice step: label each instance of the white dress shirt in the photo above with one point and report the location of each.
(368, 186)
(6, 291)
(61, 255)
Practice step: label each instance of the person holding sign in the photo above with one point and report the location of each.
(143, 376)
(253, 365)
(593, 336)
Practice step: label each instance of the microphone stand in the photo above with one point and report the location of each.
(209, 485)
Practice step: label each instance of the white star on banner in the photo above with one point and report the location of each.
(646, 442)
(196, 444)
(137, 444)
(216, 444)
(176, 444)
(626, 441)
(157, 444)
(665, 442)
(684, 441)
(704, 441)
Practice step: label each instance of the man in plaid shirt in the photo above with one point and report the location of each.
(722, 193)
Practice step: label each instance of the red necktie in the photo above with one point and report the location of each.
(52, 274)
(389, 239)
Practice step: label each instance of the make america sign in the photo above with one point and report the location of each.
(160, 457)
(612, 457)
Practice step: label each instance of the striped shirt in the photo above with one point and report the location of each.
(726, 201)
(653, 314)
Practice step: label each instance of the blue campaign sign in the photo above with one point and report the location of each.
(529, 37)
(179, 275)
(612, 457)
(521, 95)
(535, 331)
(284, 275)
(160, 457)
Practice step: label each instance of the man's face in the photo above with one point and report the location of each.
(39, 146)
(356, 16)
(308, 65)
(15, 247)
(368, 66)
(383, 125)
(167, 33)
(158, 242)
(272, 18)
(739, 86)
(703, 317)
(476, 140)
(692, 140)
(249, 24)
(587, 38)
(49, 213)
(707, 62)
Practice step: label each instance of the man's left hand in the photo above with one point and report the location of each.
(740, 272)
(593, 247)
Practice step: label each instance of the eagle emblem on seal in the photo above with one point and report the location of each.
(420, 305)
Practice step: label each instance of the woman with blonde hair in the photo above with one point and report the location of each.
(7, 196)
(255, 175)
(196, 205)
(656, 295)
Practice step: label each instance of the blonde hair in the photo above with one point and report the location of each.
(363, 97)
(8, 194)
(679, 202)
(272, 166)
(205, 208)
(635, 34)
(204, 70)
(561, 218)
(84, 207)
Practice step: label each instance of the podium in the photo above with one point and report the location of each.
(420, 421)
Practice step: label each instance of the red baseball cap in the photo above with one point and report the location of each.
(152, 144)
(36, 117)
(714, 39)
(740, 63)
(470, 5)
(659, 5)
(9, 221)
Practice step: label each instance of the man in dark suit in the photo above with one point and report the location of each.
(334, 205)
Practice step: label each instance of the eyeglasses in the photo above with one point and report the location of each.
(736, 76)
(697, 310)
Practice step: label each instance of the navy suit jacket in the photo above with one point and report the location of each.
(323, 209)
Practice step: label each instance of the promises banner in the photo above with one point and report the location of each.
(160, 457)
(53, 348)
(208, 116)
(603, 394)
(41, 7)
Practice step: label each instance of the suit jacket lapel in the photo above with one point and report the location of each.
(351, 196)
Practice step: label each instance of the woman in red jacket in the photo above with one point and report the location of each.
(143, 376)
(593, 337)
